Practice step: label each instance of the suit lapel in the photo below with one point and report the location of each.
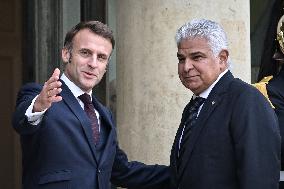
(106, 118)
(175, 148)
(75, 107)
(213, 100)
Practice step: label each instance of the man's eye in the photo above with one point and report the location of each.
(85, 53)
(102, 58)
(181, 60)
(197, 58)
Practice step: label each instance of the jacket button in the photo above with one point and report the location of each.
(99, 171)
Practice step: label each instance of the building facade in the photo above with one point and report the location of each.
(141, 86)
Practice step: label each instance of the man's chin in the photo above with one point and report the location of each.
(193, 88)
(87, 87)
(90, 84)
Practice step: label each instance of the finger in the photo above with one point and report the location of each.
(55, 95)
(53, 85)
(56, 72)
(54, 77)
(56, 98)
(44, 88)
(46, 92)
(53, 92)
(53, 82)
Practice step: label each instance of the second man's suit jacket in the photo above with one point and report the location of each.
(235, 143)
(275, 91)
(60, 153)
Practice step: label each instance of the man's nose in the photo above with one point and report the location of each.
(93, 62)
(188, 64)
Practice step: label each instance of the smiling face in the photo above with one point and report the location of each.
(198, 67)
(87, 62)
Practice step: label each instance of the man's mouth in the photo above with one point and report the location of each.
(190, 77)
(89, 74)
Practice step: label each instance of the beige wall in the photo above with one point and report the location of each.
(150, 97)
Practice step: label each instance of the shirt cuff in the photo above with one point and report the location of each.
(34, 118)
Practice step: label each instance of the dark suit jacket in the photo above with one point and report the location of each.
(60, 152)
(275, 91)
(235, 143)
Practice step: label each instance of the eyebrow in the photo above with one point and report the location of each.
(191, 54)
(90, 51)
(178, 54)
(197, 53)
(84, 49)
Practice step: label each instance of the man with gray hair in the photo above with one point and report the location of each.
(228, 137)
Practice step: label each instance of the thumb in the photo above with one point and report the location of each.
(56, 72)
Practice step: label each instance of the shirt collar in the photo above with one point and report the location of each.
(76, 91)
(206, 93)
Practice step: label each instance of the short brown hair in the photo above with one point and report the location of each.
(96, 27)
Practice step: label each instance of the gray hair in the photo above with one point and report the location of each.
(207, 29)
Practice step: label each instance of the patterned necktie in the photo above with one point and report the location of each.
(189, 123)
(90, 110)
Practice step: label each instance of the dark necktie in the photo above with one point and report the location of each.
(189, 123)
(90, 111)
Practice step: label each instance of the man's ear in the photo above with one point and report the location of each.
(223, 58)
(223, 55)
(65, 54)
